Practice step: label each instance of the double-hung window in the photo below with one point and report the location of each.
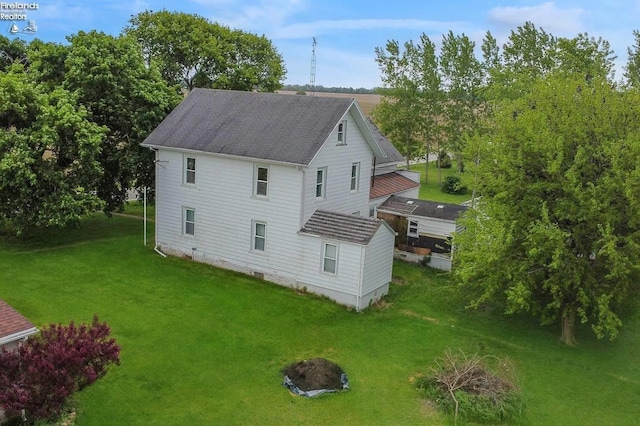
(262, 180)
(413, 228)
(342, 132)
(190, 170)
(189, 221)
(259, 236)
(321, 180)
(355, 176)
(329, 258)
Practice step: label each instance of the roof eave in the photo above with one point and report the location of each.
(18, 336)
(216, 154)
(366, 131)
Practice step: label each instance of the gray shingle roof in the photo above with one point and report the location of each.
(393, 155)
(414, 207)
(343, 227)
(266, 126)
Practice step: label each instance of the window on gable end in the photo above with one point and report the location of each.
(342, 132)
(262, 181)
(190, 170)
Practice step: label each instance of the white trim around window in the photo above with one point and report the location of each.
(355, 177)
(321, 182)
(330, 258)
(342, 132)
(189, 170)
(188, 221)
(261, 181)
(259, 236)
(412, 230)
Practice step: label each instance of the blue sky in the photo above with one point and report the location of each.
(348, 31)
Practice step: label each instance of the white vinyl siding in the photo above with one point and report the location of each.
(224, 208)
(431, 226)
(189, 221)
(259, 236)
(378, 263)
(329, 258)
(355, 176)
(262, 181)
(339, 160)
(190, 170)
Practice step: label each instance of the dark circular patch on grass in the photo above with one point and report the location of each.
(313, 375)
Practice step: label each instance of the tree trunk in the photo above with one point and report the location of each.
(426, 167)
(568, 327)
(438, 161)
(408, 149)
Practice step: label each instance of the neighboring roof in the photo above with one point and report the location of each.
(268, 126)
(344, 227)
(393, 155)
(389, 184)
(414, 207)
(13, 326)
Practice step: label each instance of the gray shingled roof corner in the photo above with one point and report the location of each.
(267, 126)
(343, 227)
(393, 155)
(415, 207)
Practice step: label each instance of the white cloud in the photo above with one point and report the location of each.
(250, 15)
(309, 29)
(548, 16)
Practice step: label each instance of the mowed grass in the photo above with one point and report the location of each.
(431, 187)
(205, 346)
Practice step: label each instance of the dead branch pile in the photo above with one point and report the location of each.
(487, 376)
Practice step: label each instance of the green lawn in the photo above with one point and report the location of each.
(202, 346)
(430, 188)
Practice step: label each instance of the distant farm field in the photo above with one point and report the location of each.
(366, 100)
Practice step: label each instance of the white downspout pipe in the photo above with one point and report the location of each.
(155, 248)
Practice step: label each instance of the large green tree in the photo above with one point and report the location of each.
(12, 51)
(399, 112)
(462, 72)
(48, 155)
(109, 77)
(557, 232)
(632, 68)
(194, 52)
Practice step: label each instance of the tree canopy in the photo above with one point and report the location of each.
(48, 155)
(193, 52)
(110, 79)
(557, 230)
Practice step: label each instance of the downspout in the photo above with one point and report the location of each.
(360, 275)
(155, 248)
(373, 176)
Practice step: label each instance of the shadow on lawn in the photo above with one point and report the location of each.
(96, 227)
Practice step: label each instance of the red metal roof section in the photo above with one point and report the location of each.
(11, 321)
(389, 184)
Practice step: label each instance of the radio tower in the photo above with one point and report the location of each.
(312, 78)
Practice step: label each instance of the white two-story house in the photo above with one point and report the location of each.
(276, 186)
